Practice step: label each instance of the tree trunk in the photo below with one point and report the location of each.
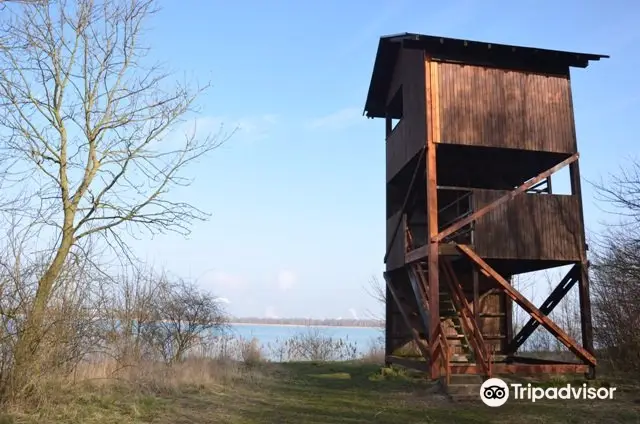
(26, 350)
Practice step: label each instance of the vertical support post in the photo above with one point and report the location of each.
(388, 347)
(508, 318)
(432, 212)
(476, 295)
(549, 189)
(583, 279)
(388, 324)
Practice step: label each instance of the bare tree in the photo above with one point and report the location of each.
(616, 301)
(89, 130)
(378, 292)
(3, 3)
(182, 316)
(616, 271)
(71, 330)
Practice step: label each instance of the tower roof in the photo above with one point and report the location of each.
(466, 52)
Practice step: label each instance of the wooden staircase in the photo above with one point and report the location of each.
(454, 308)
(448, 312)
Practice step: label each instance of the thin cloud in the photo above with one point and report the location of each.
(270, 312)
(226, 280)
(246, 129)
(286, 279)
(338, 120)
(369, 31)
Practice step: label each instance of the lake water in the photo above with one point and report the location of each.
(361, 337)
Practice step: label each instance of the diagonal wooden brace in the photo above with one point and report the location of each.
(535, 313)
(421, 299)
(491, 206)
(424, 349)
(547, 306)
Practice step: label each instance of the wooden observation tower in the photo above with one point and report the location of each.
(474, 132)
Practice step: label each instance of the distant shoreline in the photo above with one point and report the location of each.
(265, 324)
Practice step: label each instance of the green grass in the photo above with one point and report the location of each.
(314, 393)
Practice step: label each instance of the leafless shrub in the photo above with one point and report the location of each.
(251, 352)
(616, 302)
(152, 316)
(616, 271)
(72, 328)
(182, 315)
(313, 344)
(537, 285)
(375, 354)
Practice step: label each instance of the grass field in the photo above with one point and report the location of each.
(310, 393)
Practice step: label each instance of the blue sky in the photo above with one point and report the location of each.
(297, 195)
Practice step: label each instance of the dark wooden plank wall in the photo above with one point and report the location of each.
(530, 226)
(399, 340)
(491, 301)
(409, 136)
(509, 109)
(492, 327)
(398, 249)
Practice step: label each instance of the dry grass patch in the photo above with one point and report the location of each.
(305, 392)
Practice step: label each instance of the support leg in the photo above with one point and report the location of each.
(585, 315)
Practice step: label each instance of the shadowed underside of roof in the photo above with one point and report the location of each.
(464, 51)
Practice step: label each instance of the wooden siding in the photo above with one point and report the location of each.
(530, 226)
(491, 302)
(399, 339)
(493, 327)
(409, 136)
(509, 109)
(397, 252)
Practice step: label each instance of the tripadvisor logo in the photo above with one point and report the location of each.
(495, 392)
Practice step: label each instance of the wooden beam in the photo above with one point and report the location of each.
(432, 210)
(508, 319)
(522, 369)
(546, 308)
(424, 349)
(557, 332)
(493, 205)
(416, 255)
(476, 295)
(388, 322)
(422, 252)
(549, 187)
(585, 314)
(583, 278)
(498, 368)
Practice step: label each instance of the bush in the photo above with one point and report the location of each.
(313, 344)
